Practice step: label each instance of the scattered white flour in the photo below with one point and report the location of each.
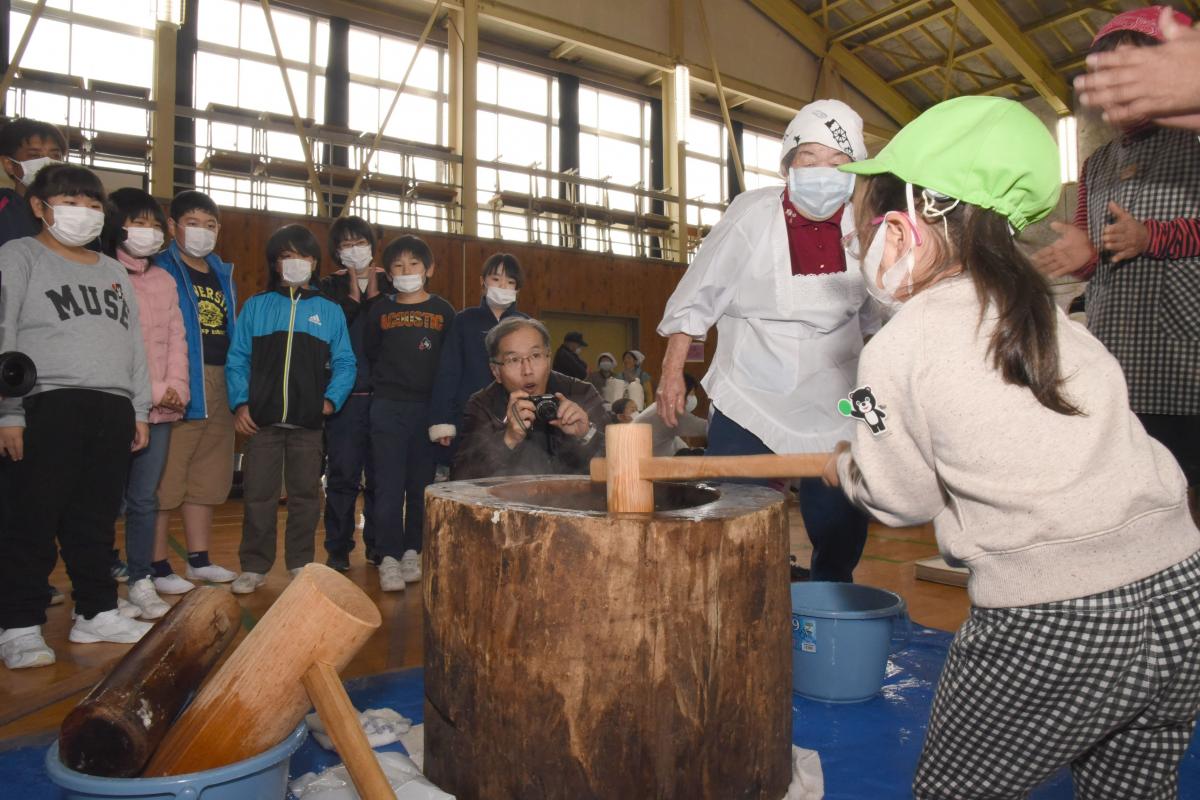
(145, 714)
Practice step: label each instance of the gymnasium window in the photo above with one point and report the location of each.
(706, 185)
(236, 68)
(614, 144)
(760, 159)
(517, 124)
(90, 41)
(421, 116)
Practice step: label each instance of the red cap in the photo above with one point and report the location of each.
(1142, 20)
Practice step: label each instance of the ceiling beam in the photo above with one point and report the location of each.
(805, 30)
(999, 29)
(563, 50)
(886, 15)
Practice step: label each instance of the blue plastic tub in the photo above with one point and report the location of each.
(263, 777)
(842, 634)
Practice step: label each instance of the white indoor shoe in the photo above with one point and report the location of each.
(125, 608)
(142, 595)
(108, 626)
(410, 566)
(173, 584)
(213, 572)
(247, 582)
(24, 647)
(391, 575)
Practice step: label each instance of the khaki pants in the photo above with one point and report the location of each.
(199, 466)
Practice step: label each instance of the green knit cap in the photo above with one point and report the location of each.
(986, 151)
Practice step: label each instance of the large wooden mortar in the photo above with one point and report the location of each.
(570, 653)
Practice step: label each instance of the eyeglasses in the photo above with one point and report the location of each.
(511, 361)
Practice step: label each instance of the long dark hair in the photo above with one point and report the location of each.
(1023, 346)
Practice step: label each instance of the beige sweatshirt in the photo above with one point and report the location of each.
(1038, 505)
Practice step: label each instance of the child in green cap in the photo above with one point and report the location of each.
(984, 409)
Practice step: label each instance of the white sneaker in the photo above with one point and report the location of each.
(173, 584)
(391, 575)
(410, 566)
(24, 647)
(125, 608)
(247, 582)
(213, 572)
(142, 595)
(108, 626)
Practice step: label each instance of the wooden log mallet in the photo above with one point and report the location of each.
(630, 467)
(259, 695)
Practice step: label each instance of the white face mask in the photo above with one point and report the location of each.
(407, 284)
(691, 403)
(607, 366)
(501, 297)
(818, 192)
(76, 226)
(295, 271)
(142, 242)
(357, 257)
(898, 275)
(198, 242)
(30, 168)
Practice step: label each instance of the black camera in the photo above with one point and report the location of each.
(17, 374)
(545, 407)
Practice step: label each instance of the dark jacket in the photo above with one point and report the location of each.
(289, 354)
(337, 288)
(16, 217)
(546, 451)
(464, 369)
(568, 362)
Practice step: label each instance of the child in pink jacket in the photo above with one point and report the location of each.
(135, 230)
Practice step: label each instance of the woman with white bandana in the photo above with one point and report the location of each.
(786, 295)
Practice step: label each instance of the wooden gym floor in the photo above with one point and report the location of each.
(34, 701)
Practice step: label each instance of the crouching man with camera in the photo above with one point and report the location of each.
(531, 421)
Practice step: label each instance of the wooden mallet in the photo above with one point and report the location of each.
(259, 695)
(630, 467)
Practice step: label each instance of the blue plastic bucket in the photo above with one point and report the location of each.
(263, 777)
(842, 634)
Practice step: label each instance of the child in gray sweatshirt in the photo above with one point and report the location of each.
(984, 409)
(66, 446)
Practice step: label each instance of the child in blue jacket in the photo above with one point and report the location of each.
(290, 365)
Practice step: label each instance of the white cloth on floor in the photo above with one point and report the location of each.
(414, 744)
(334, 783)
(381, 725)
(808, 779)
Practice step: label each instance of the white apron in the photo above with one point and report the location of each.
(788, 345)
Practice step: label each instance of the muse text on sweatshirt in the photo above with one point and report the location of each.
(78, 322)
(1040, 506)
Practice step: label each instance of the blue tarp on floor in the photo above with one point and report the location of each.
(868, 750)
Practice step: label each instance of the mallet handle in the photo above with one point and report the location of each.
(327, 693)
(797, 465)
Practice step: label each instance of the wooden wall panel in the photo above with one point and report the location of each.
(556, 279)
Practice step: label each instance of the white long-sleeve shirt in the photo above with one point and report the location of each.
(788, 344)
(1040, 506)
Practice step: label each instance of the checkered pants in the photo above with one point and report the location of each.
(1108, 684)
